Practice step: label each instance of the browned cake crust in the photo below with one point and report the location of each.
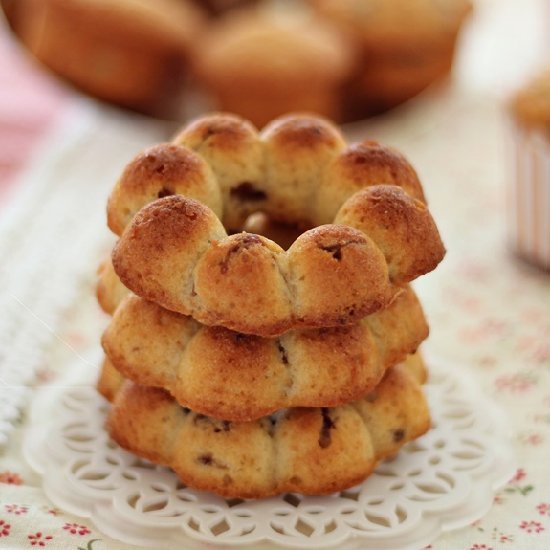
(161, 170)
(345, 281)
(221, 7)
(311, 451)
(238, 377)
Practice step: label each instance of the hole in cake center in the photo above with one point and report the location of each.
(282, 233)
(247, 192)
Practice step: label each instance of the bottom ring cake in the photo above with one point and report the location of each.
(312, 451)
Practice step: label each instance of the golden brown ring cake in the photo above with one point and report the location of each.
(176, 252)
(374, 229)
(372, 210)
(233, 376)
(310, 451)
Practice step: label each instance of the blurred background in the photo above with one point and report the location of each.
(173, 59)
(86, 84)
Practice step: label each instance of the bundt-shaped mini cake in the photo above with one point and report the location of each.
(177, 254)
(233, 376)
(372, 230)
(311, 451)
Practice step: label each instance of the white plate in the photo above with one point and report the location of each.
(443, 481)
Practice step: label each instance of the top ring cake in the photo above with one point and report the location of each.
(371, 230)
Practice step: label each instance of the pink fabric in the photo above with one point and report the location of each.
(30, 100)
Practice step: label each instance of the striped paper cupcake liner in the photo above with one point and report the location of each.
(530, 197)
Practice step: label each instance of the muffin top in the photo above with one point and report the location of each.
(531, 105)
(256, 48)
(379, 22)
(164, 22)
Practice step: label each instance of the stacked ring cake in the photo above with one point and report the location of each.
(249, 369)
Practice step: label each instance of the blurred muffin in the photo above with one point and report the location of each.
(129, 52)
(261, 67)
(10, 8)
(530, 197)
(531, 104)
(219, 7)
(405, 45)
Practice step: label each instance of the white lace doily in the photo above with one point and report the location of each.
(443, 481)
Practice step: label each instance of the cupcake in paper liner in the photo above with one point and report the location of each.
(529, 226)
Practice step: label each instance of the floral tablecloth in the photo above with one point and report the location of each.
(489, 315)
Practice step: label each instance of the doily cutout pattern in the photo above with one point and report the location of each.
(443, 481)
